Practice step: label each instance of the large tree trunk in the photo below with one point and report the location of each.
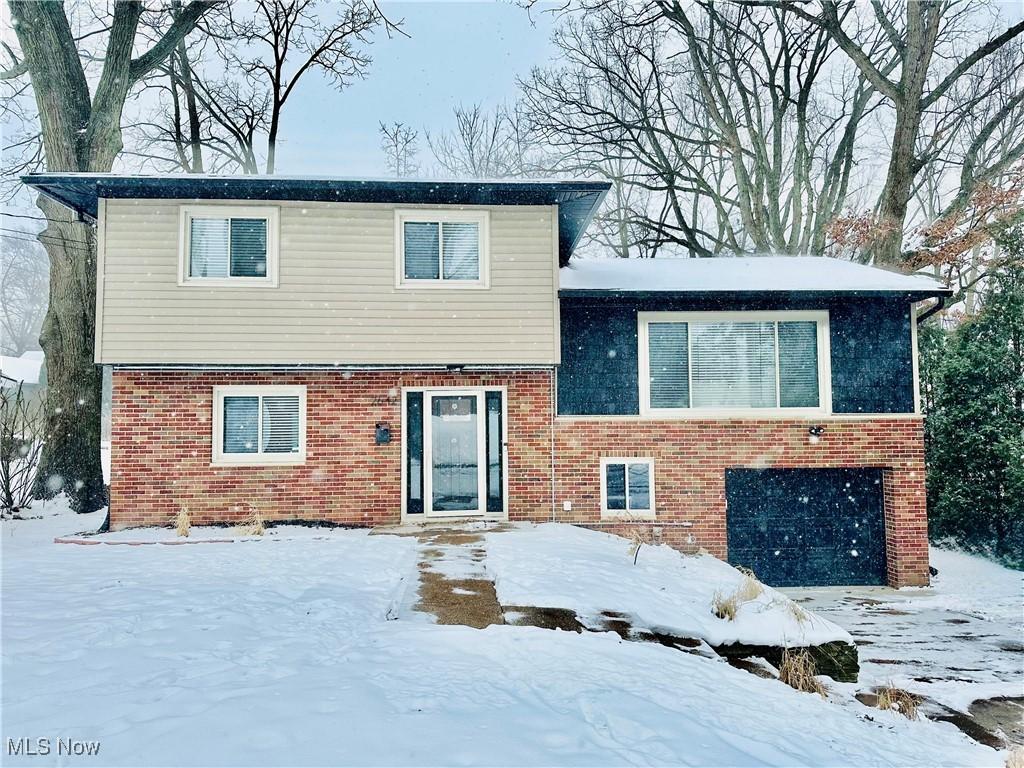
(71, 458)
(899, 186)
(80, 133)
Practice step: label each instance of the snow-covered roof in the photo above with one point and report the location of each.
(24, 369)
(782, 274)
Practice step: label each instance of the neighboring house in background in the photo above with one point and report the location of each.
(376, 352)
(26, 369)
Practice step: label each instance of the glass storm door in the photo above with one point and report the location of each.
(454, 441)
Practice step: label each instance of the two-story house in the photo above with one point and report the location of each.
(376, 352)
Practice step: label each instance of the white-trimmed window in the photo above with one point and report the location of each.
(627, 487)
(256, 424)
(446, 249)
(228, 245)
(695, 363)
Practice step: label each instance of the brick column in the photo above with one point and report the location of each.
(906, 526)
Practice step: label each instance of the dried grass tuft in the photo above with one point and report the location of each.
(1016, 758)
(724, 606)
(797, 670)
(749, 589)
(254, 524)
(183, 522)
(898, 700)
(798, 613)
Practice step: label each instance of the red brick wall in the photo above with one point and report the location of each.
(689, 474)
(161, 451)
(161, 447)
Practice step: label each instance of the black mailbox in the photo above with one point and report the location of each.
(383, 434)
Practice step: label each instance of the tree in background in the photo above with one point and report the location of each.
(222, 97)
(973, 387)
(399, 142)
(750, 127)
(932, 67)
(486, 144)
(24, 273)
(81, 131)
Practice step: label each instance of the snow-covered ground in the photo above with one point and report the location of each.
(288, 651)
(664, 591)
(958, 641)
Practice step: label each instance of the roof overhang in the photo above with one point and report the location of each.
(577, 201)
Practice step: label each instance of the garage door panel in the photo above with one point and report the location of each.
(807, 526)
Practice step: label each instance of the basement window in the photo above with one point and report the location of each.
(255, 425)
(627, 487)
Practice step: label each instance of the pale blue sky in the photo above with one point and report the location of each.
(458, 52)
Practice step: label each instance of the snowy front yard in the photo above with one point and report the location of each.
(302, 651)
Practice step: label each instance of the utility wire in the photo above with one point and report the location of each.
(33, 240)
(45, 237)
(24, 216)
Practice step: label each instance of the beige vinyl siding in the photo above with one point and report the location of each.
(337, 301)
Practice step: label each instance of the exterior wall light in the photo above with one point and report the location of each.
(814, 434)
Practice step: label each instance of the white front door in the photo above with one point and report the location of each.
(454, 457)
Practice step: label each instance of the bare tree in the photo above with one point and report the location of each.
(486, 145)
(24, 274)
(927, 39)
(734, 121)
(222, 98)
(80, 128)
(21, 443)
(398, 141)
(608, 112)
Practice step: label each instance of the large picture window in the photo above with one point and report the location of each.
(742, 361)
(228, 245)
(442, 248)
(259, 425)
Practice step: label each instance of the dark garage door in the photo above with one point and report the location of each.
(807, 527)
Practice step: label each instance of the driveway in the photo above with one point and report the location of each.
(959, 643)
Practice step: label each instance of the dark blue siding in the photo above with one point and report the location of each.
(872, 357)
(872, 369)
(598, 375)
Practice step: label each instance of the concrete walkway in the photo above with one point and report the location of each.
(969, 665)
(454, 585)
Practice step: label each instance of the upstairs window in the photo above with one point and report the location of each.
(442, 249)
(228, 246)
(259, 425)
(741, 361)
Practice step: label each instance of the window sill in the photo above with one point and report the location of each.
(259, 461)
(228, 282)
(624, 516)
(735, 413)
(433, 285)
